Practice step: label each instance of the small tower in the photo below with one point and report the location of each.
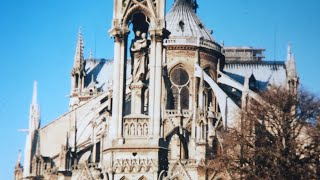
(32, 140)
(77, 73)
(292, 75)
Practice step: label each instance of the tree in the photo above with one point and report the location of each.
(278, 139)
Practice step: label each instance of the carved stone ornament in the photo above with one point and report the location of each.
(134, 165)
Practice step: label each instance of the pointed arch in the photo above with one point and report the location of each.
(135, 9)
(184, 98)
(182, 139)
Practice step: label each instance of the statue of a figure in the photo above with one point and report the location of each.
(139, 54)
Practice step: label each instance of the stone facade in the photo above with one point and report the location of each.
(158, 115)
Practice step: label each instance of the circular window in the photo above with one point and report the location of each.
(179, 76)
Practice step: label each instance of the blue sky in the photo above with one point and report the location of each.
(38, 39)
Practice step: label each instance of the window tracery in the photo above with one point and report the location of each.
(179, 94)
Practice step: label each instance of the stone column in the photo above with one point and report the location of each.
(195, 97)
(115, 88)
(93, 141)
(155, 85)
(72, 84)
(82, 83)
(158, 85)
(122, 87)
(152, 64)
(119, 81)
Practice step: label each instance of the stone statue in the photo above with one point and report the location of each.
(139, 56)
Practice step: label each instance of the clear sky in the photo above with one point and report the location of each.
(38, 40)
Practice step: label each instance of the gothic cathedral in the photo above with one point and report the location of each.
(156, 110)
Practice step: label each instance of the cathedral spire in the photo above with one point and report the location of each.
(292, 75)
(79, 57)
(34, 121)
(35, 94)
(291, 64)
(32, 140)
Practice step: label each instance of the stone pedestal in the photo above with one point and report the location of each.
(137, 97)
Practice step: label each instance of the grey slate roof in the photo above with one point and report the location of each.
(265, 72)
(182, 21)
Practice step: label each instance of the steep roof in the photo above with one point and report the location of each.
(182, 21)
(265, 72)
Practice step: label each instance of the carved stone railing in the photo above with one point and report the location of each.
(193, 42)
(136, 125)
(85, 166)
(134, 165)
(175, 113)
(89, 93)
(172, 113)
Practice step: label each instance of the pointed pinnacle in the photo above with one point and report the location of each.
(289, 52)
(35, 94)
(79, 49)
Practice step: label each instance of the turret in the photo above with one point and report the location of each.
(77, 73)
(32, 140)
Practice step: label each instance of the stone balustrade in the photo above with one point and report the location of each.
(193, 42)
(136, 126)
(83, 166)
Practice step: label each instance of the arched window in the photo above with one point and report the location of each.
(203, 130)
(77, 81)
(184, 98)
(179, 95)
